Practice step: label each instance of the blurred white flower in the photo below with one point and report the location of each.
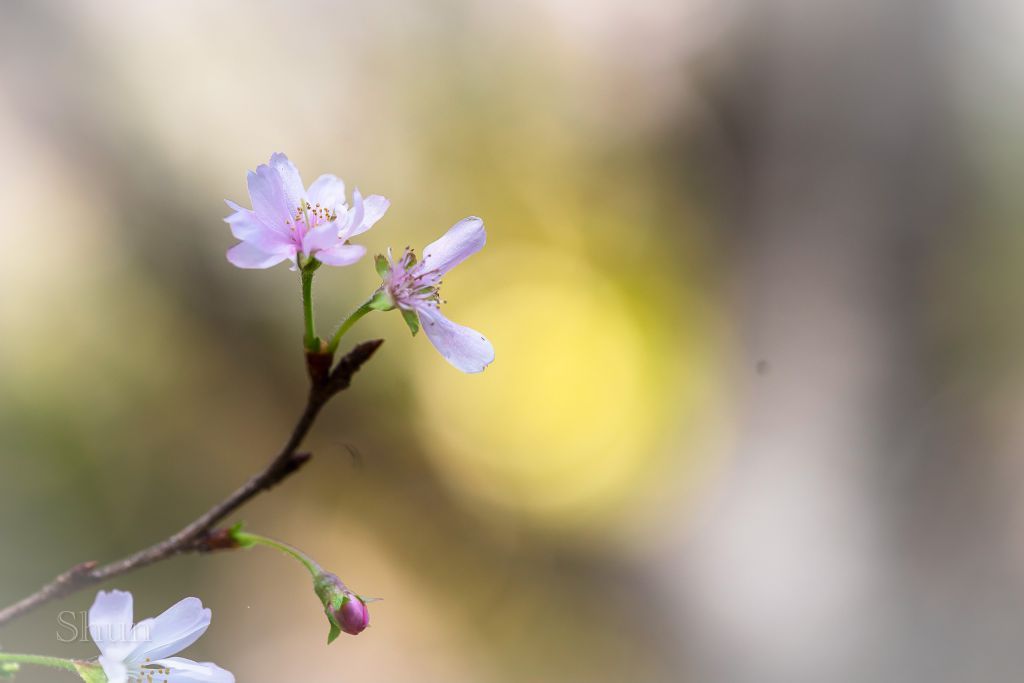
(142, 651)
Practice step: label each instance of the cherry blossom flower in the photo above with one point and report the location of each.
(289, 222)
(143, 651)
(413, 287)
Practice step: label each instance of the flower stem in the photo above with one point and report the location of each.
(38, 660)
(246, 539)
(310, 339)
(347, 324)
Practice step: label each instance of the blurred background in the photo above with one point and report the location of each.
(753, 275)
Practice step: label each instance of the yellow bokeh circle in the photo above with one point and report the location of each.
(564, 423)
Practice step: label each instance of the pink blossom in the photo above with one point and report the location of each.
(289, 222)
(413, 287)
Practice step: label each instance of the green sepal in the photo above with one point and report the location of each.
(8, 669)
(335, 632)
(412, 320)
(310, 265)
(329, 589)
(381, 301)
(90, 673)
(380, 262)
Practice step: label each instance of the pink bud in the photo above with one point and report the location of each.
(353, 615)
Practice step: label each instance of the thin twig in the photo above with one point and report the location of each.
(324, 386)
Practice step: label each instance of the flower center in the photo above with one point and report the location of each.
(410, 284)
(148, 672)
(308, 216)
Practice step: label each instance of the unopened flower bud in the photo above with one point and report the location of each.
(353, 616)
(345, 610)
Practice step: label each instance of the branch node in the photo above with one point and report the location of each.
(218, 539)
(318, 365)
(297, 461)
(73, 574)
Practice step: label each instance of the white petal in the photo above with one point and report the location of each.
(354, 216)
(246, 226)
(323, 236)
(329, 190)
(267, 196)
(115, 670)
(248, 255)
(171, 632)
(110, 623)
(341, 255)
(462, 240)
(463, 347)
(374, 208)
(187, 671)
(243, 222)
(291, 182)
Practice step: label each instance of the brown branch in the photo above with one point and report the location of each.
(324, 385)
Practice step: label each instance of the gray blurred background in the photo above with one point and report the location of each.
(753, 276)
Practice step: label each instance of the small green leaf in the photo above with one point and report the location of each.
(381, 301)
(90, 673)
(380, 262)
(8, 669)
(412, 320)
(240, 537)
